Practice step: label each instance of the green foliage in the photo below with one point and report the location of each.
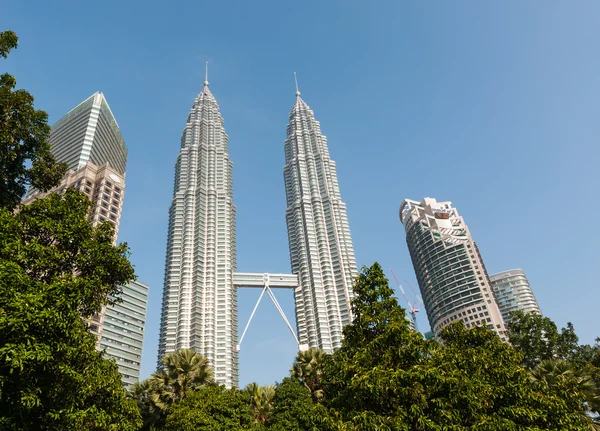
(8, 41)
(294, 409)
(183, 372)
(261, 400)
(24, 136)
(212, 408)
(387, 377)
(143, 393)
(55, 271)
(308, 369)
(373, 370)
(538, 338)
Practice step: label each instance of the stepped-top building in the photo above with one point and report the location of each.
(199, 307)
(452, 277)
(321, 250)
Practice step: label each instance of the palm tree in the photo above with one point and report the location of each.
(143, 394)
(557, 374)
(184, 371)
(261, 400)
(308, 368)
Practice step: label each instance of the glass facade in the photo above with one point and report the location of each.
(452, 278)
(89, 133)
(513, 293)
(123, 331)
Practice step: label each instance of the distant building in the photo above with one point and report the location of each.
(123, 331)
(513, 293)
(89, 141)
(452, 277)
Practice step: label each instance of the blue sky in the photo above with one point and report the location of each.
(491, 105)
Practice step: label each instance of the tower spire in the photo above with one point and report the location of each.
(296, 79)
(206, 78)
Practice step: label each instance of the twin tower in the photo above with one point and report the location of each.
(199, 308)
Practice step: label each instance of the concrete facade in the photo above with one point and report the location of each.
(453, 281)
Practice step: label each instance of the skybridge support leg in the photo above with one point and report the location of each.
(267, 289)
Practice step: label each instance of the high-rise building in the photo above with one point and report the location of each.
(89, 141)
(89, 133)
(513, 292)
(199, 307)
(123, 331)
(321, 250)
(452, 277)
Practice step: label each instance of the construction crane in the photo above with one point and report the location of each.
(412, 308)
(415, 293)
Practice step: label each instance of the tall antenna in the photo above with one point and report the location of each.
(206, 79)
(296, 79)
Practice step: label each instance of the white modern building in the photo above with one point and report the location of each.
(452, 278)
(89, 141)
(321, 250)
(513, 292)
(199, 308)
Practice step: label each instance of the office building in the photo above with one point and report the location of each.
(199, 307)
(321, 250)
(123, 331)
(89, 133)
(513, 292)
(89, 141)
(452, 277)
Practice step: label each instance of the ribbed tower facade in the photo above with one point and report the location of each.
(452, 277)
(199, 309)
(514, 293)
(321, 250)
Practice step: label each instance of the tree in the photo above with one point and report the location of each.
(560, 376)
(184, 371)
(294, 409)
(261, 400)
(387, 377)
(371, 372)
(25, 157)
(538, 338)
(143, 394)
(211, 408)
(308, 369)
(56, 271)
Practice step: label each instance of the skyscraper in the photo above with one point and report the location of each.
(89, 133)
(452, 277)
(321, 250)
(123, 331)
(513, 293)
(89, 141)
(199, 308)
